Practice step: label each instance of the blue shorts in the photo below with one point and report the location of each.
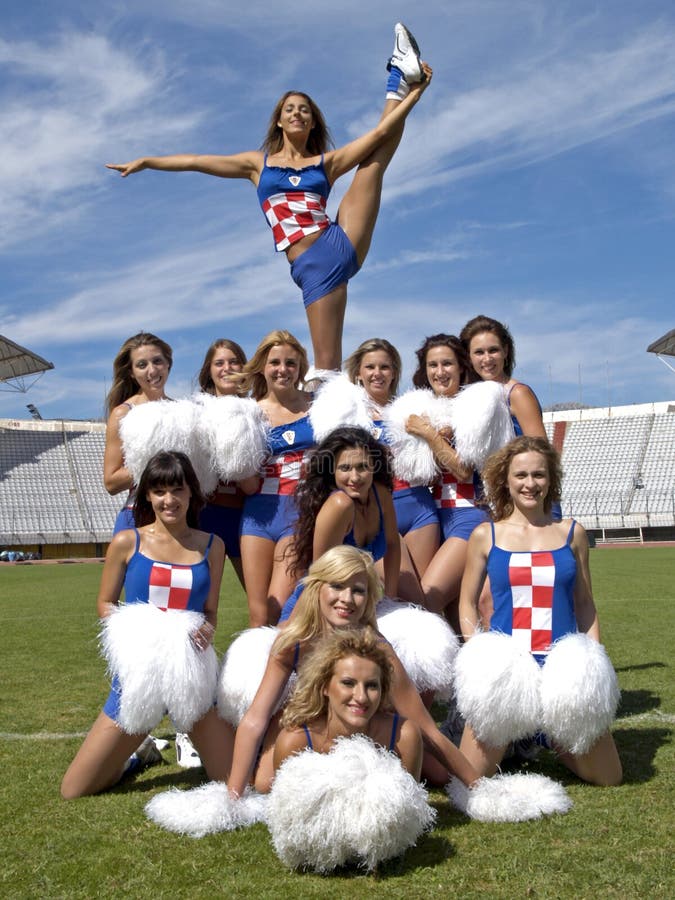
(124, 520)
(111, 707)
(270, 516)
(415, 508)
(460, 521)
(225, 521)
(329, 262)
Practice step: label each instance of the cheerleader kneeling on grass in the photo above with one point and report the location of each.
(159, 643)
(540, 669)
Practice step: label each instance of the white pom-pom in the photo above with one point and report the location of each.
(413, 460)
(509, 798)
(579, 693)
(159, 668)
(424, 642)
(207, 809)
(497, 689)
(355, 804)
(242, 671)
(235, 431)
(166, 425)
(337, 403)
(481, 422)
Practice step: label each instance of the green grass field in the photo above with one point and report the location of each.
(615, 842)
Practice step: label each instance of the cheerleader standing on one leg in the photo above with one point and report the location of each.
(140, 372)
(294, 173)
(522, 482)
(166, 509)
(274, 373)
(376, 366)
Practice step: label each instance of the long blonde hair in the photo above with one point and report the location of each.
(309, 701)
(336, 565)
(253, 379)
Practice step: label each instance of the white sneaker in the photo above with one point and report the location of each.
(186, 755)
(146, 754)
(406, 55)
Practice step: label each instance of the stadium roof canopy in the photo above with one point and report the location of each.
(17, 364)
(665, 345)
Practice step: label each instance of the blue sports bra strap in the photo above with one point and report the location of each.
(308, 736)
(264, 160)
(492, 529)
(296, 655)
(570, 533)
(394, 729)
(208, 546)
(377, 500)
(138, 540)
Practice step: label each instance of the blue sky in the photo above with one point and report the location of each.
(535, 183)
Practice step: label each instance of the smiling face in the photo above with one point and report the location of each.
(354, 693)
(354, 472)
(224, 364)
(282, 367)
(170, 503)
(343, 603)
(149, 369)
(296, 116)
(529, 480)
(488, 356)
(443, 371)
(376, 374)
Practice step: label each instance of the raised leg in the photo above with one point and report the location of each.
(325, 318)
(100, 761)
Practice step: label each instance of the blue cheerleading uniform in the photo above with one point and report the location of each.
(533, 594)
(414, 505)
(294, 204)
(271, 513)
(166, 586)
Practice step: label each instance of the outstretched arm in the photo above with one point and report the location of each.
(239, 165)
(341, 160)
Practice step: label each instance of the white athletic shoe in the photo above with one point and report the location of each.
(406, 55)
(186, 755)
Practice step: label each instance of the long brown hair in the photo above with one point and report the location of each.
(254, 380)
(319, 139)
(481, 325)
(420, 378)
(204, 378)
(124, 384)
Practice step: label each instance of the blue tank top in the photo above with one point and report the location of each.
(166, 585)
(288, 446)
(283, 179)
(392, 739)
(293, 201)
(378, 545)
(533, 594)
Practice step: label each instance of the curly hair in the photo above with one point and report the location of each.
(319, 139)
(335, 566)
(496, 472)
(317, 483)
(124, 385)
(420, 379)
(481, 325)
(309, 701)
(168, 468)
(254, 380)
(353, 362)
(204, 378)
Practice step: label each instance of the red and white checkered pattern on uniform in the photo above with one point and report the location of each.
(294, 215)
(170, 586)
(532, 577)
(450, 493)
(283, 472)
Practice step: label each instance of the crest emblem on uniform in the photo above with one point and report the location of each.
(377, 432)
(294, 180)
(289, 437)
